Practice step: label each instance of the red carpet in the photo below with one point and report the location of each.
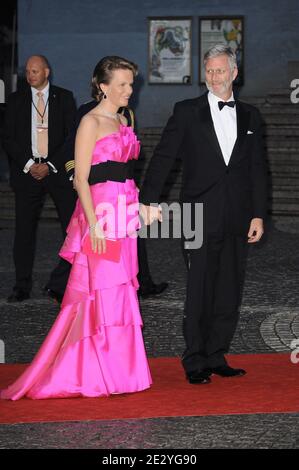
(270, 386)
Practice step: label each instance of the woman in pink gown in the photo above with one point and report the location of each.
(95, 347)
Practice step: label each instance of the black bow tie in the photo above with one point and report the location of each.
(221, 104)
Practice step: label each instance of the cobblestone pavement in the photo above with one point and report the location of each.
(269, 321)
(280, 431)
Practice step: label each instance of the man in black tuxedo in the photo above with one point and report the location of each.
(220, 142)
(37, 122)
(146, 285)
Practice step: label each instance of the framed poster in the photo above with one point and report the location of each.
(228, 30)
(169, 51)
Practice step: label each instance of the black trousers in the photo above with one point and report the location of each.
(29, 202)
(215, 281)
(144, 275)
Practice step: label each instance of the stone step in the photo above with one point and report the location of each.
(254, 100)
(285, 91)
(282, 144)
(288, 191)
(289, 155)
(150, 130)
(280, 99)
(284, 131)
(284, 178)
(280, 91)
(281, 119)
(284, 164)
(290, 177)
(284, 156)
(284, 209)
(284, 170)
(278, 110)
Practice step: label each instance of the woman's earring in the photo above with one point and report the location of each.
(105, 96)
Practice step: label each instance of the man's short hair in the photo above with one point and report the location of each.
(221, 49)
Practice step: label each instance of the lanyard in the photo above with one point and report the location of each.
(41, 115)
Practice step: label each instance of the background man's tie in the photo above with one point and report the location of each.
(42, 119)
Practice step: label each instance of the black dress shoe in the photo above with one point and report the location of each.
(154, 289)
(53, 295)
(226, 371)
(18, 295)
(202, 377)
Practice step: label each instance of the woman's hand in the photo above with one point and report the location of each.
(97, 238)
(256, 230)
(150, 213)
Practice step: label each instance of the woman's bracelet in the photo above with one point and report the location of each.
(92, 227)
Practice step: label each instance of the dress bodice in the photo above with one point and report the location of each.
(119, 146)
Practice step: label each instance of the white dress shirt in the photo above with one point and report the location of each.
(225, 125)
(35, 153)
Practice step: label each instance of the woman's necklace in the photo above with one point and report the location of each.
(110, 115)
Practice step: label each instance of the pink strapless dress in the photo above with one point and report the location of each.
(95, 347)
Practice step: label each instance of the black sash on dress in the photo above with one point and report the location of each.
(111, 171)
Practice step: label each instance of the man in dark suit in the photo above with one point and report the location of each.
(220, 142)
(37, 121)
(147, 286)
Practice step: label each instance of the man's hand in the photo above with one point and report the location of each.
(33, 170)
(150, 213)
(39, 171)
(256, 230)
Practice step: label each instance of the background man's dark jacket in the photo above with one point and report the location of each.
(17, 132)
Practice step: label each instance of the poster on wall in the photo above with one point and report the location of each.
(169, 50)
(228, 30)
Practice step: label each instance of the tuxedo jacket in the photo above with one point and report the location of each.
(231, 194)
(17, 132)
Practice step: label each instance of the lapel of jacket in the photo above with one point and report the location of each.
(53, 104)
(206, 123)
(25, 112)
(242, 126)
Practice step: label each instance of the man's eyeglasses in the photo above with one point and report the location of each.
(215, 71)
